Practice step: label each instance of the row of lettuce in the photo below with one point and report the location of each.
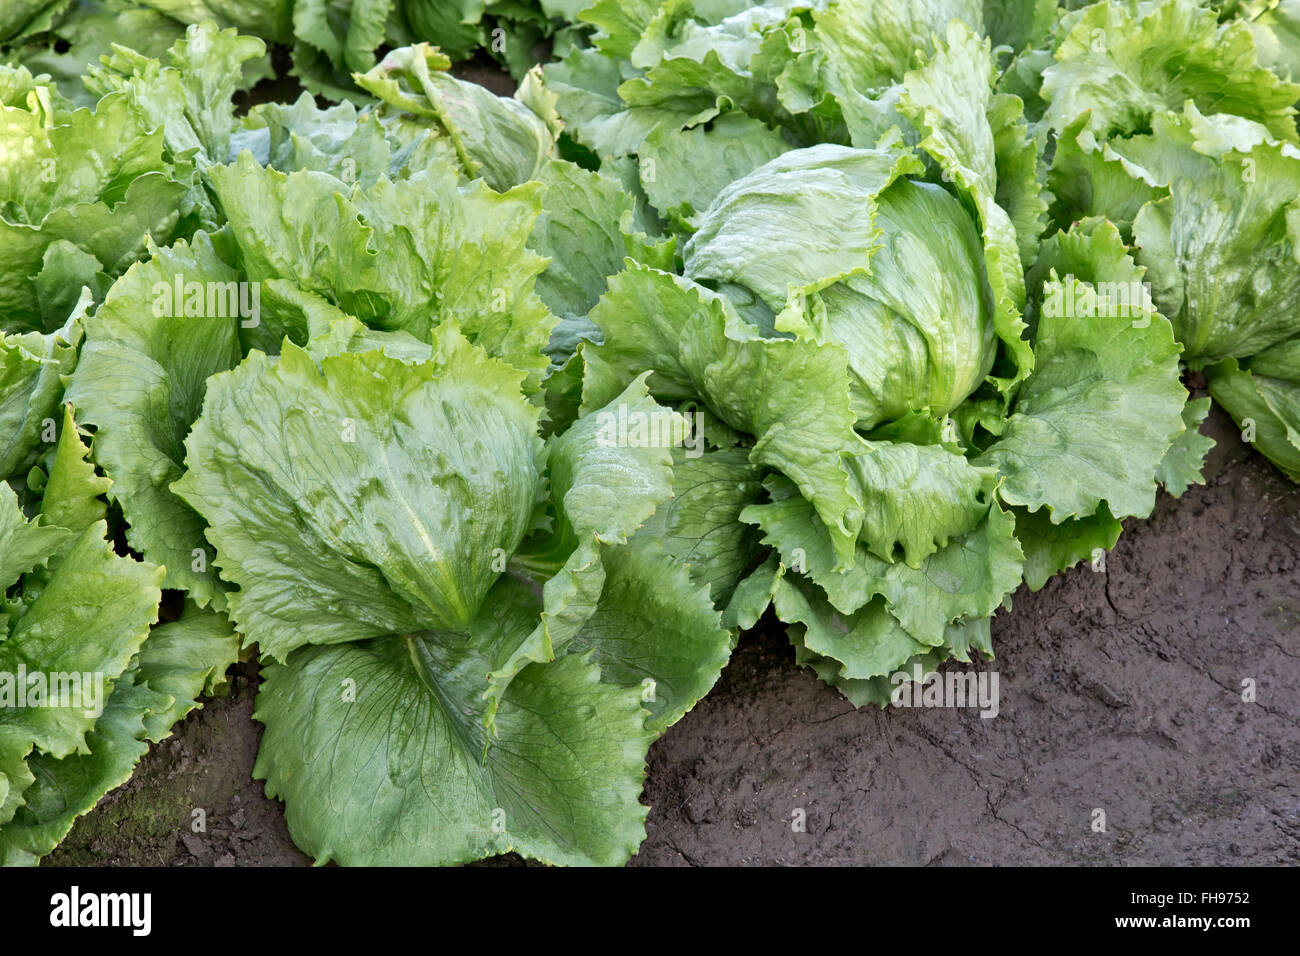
(327, 41)
(492, 421)
(311, 346)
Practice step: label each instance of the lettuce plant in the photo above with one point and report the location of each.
(863, 300)
(1168, 122)
(86, 681)
(353, 266)
(79, 191)
(94, 663)
(475, 656)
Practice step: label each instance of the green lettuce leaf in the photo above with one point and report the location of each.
(32, 369)
(496, 138)
(70, 497)
(269, 19)
(1182, 464)
(192, 96)
(141, 381)
(968, 577)
(450, 253)
(88, 185)
(912, 345)
(869, 46)
(949, 100)
(700, 526)
(832, 185)
(1265, 406)
(88, 31)
(1051, 547)
(683, 171)
(1089, 178)
(89, 616)
(1226, 231)
(916, 497)
(177, 663)
(350, 145)
(27, 544)
(699, 348)
(185, 659)
(1126, 64)
(654, 629)
(1104, 403)
(412, 784)
(416, 489)
(580, 232)
(606, 475)
(64, 789)
(1275, 25)
(867, 644)
(334, 41)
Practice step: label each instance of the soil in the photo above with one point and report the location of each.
(1121, 692)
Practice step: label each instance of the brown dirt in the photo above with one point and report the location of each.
(1120, 691)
